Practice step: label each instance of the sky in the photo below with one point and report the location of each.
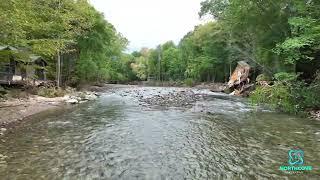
(148, 23)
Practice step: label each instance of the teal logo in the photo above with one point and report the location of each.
(295, 161)
(296, 157)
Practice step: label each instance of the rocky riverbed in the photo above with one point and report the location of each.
(176, 98)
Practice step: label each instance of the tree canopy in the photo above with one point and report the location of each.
(49, 27)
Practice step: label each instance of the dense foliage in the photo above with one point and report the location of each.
(200, 56)
(280, 37)
(89, 45)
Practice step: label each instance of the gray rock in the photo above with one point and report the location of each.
(72, 101)
(90, 97)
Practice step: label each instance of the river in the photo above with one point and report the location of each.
(124, 136)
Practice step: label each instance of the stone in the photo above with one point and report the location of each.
(90, 97)
(72, 101)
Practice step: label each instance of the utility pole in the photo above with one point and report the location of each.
(159, 61)
(59, 58)
(58, 69)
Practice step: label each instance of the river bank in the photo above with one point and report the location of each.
(15, 110)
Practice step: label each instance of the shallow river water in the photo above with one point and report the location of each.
(120, 137)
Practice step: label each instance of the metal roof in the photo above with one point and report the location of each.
(8, 48)
(32, 57)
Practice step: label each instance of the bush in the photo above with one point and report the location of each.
(189, 82)
(51, 92)
(308, 95)
(263, 77)
(278, 96)
(286, 77)
(2, 92)
(288, 94)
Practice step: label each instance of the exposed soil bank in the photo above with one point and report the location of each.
(15, 110)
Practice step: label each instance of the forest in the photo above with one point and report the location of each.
(73, 31)
(280, 39)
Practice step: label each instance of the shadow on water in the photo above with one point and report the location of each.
(118, 138)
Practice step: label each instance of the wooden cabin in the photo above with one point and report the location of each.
(15, 70)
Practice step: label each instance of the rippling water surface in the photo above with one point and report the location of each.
(119, 137)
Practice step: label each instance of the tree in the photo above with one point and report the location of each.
(66, 29)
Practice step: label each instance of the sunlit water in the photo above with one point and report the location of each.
(118, 137)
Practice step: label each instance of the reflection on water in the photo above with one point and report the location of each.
(117, 137)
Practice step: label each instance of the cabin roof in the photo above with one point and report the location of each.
(32, 57)
(37, 59)
(6, 47)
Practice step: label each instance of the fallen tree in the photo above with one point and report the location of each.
(239, 82)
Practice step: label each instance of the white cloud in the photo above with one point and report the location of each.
(147, 23)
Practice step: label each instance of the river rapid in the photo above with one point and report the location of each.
(160, 133)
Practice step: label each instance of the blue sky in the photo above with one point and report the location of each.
(147, 23)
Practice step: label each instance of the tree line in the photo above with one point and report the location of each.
(280, 39)
(201, 56)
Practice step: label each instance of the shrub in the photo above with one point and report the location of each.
(2, 92)
(51, 92)
(189, 82)
(286, 77)
(263, 77)
(288, 94)
(308, 95)
(278, 96)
